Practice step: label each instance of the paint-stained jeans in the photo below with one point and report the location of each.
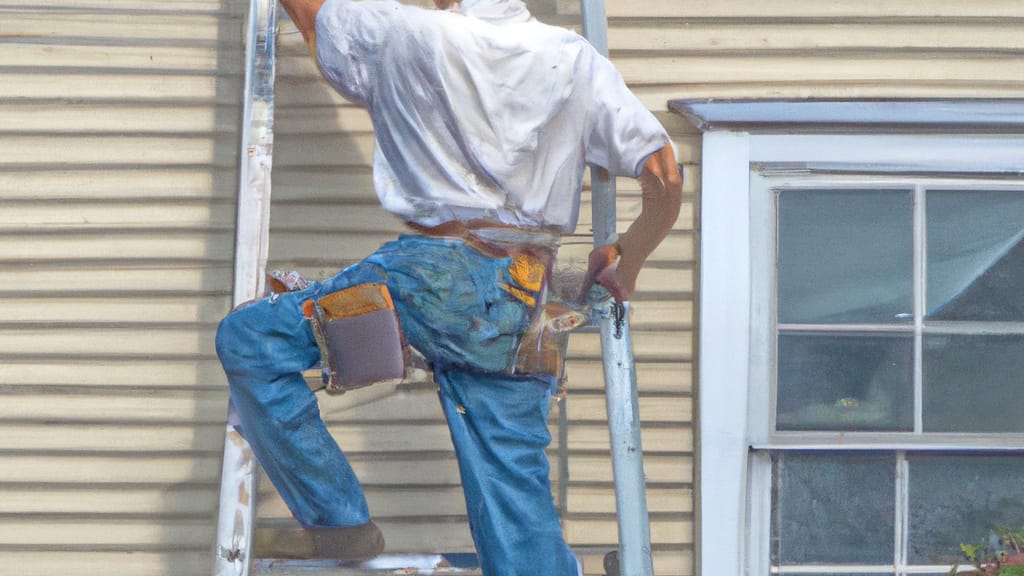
(453, 309)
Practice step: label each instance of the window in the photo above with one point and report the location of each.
(861, 335)
(897, 325)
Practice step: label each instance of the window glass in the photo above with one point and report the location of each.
(975, 255)
(845, 256)
(958, 499)
(974, 383)
(845, 382)
(832, 508)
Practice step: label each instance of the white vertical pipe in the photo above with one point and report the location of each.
(619, 369)
(235, 522)
(627, 452)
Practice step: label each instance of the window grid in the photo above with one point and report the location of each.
(898, 442)
(918, 438)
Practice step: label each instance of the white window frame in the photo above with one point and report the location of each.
(734, 333)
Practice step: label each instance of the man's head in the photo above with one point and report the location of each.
(445, 4)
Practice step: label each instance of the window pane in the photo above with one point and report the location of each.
(845, 256)
(975, 255)
(960, 499)
(974, 383)
(833, 508)
(845, 382)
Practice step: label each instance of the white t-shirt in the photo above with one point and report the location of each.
(483, 113)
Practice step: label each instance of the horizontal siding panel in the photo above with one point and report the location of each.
(103, 85)
(117, 500)
(28, 531)
(133, 7)
(587, 531)
(595, 437)
(131, 405)
(312, 217)
(108, 25)
(143, 281)
(116, 244)
(299, 120)
(646, 345)
(106, 437)
(323, 185)
(68, 310)
(324, 150)
(118, 178)
(660, 377)
(601, 500)
(114, 118)
(811, 68)
(652, 408)
(784, 9)
(41, 215)
(176, 341)
(61, 370)
(658, 468)
(199, 57)
(39, 467)
(95, 149)
(132, 562)
(762, 36)
(660, 315)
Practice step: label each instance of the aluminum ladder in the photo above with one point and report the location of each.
(236, 514)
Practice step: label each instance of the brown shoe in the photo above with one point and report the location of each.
(342, 543)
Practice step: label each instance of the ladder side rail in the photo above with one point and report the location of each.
(237, 508)
(619, 369)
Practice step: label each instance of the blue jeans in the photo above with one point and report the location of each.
(452, 308)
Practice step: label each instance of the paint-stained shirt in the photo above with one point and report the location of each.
(482, 114)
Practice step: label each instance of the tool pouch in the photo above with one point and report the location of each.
(543, 346)
(359, 337)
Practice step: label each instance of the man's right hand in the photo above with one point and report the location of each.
(603, 270)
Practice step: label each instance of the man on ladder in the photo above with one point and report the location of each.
(485, 120)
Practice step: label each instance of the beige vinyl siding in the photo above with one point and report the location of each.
(118, 146)
(118, 162)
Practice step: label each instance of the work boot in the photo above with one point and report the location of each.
(343, 543)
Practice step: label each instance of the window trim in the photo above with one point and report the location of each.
(731, 325)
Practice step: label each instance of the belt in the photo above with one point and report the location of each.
(482, 236)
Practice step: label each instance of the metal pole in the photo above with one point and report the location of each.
(619, 370)
(235, 522)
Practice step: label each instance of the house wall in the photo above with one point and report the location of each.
(118, 138)
(118, 154)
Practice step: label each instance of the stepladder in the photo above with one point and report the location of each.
(235, 554)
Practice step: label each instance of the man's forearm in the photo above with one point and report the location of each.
(662, 185)
(303, 14)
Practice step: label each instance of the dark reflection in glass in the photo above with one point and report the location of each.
(974, 383)
(833, 508)
(961, 499)
(845, 382)
(845, 256)
(975, 255)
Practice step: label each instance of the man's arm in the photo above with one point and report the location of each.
(616, 266)
(303, 15)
